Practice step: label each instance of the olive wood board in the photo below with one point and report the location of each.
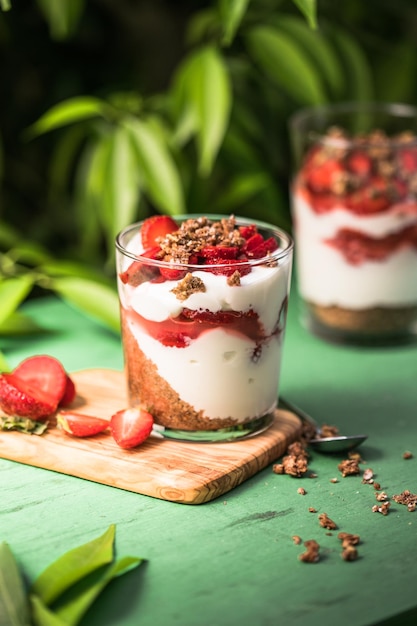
(182, 472)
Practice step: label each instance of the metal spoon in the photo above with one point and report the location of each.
(341, 443)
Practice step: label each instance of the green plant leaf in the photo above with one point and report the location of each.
(72, 608)
(120, 190)
(241, 189)
(14, 610)
(286, 64)
(357, 71)
(62, 16)
(157, 167)
(317, 47)
(309, 9)
(232, 12)
(5, 5)
(19, 324)
(202, 101)
(99, 301)
(8, 235)
(73, 566)
(29, 252)
(42, 615)
(12, 293)
(67, 112)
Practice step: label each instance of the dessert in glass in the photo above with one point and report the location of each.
(354, 205)
(203, 305)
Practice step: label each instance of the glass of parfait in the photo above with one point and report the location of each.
(203, 305)
(354, 206)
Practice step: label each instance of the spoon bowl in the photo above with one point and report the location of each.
(327, 445)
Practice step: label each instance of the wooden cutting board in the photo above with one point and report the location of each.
(189, 473)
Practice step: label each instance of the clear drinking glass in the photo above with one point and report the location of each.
(354, 206)
(202, 343)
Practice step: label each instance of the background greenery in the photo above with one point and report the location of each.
(114, 110)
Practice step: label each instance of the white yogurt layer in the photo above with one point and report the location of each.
(215, 373)
(326, 278)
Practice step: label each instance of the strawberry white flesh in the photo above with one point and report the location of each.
(18, 397)
(45, 373)
(81, 425)
(131, 427)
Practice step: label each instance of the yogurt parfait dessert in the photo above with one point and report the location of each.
(354, 202)
(203, 309)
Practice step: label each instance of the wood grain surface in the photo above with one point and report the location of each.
(188, 473)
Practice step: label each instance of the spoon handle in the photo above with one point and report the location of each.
(305, 417)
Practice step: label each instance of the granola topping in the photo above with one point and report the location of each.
(188, 285)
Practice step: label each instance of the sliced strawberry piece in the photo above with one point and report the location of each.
(18, 397)
(219, 252)
(321, 178)
(359, 163)
(173, 339)
(407, 160)
(69, 393)
(139, 272)
(81, 425)
(156, 227)
(131, 427)
(247, 231)
(173, 273)
(44, 373)
(229, 267)
(258, 252)
(375, 197)
(253, 242)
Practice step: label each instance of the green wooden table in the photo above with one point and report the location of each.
(232, 562)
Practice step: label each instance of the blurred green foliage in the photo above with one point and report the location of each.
(112, 111)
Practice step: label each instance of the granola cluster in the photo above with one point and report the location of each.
(195, 234)
(188, 285)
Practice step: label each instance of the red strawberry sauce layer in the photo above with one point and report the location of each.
(189, 325)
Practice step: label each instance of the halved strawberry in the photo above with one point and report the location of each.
(131, 427)
(173, 273)
(156, 227)
(139, 272)
(321, 177)
(81, 425)
(248, 231)
(359, 163)
(44, 373)
(69, 393)
(18, 397)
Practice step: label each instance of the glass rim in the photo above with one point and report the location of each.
(279, 254)
(395, 110)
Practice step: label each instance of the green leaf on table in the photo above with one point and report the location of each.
(72, 606)
(285, 62)
(232, 12)
(14, 610)
(13, 292)
(23, 425)
(97, 300)
(67, 112)
(309, 9)
(202, 99)
(74, 565)
(158, 170)
(42, 615)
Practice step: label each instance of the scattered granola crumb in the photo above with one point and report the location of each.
(377, 486)
(295, 462)
(368, 476)
(407, 498)
(311, 555)
(381, 496)
(407, 455)
(334, 480)
(381, 508)
(312, 475)
(348, 539)
(301, 491)
(349, 553)
(355, 456)
(349, 467)
(327, 430)
(188, 285)
(326, 522)
(311, 509)
(296, 539)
